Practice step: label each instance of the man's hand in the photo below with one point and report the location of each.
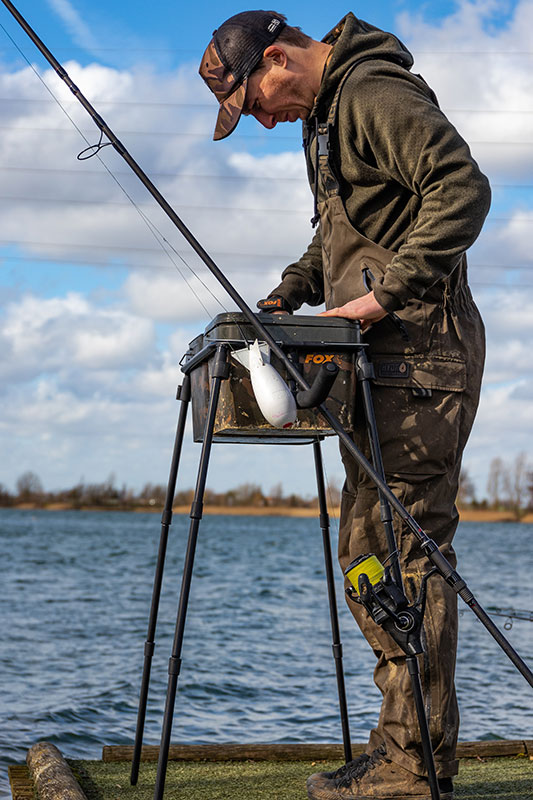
(366, 309)
(273, 304)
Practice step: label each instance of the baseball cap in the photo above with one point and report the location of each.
(235, 50)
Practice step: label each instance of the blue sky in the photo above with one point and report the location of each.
(94, 318)
(119, 33)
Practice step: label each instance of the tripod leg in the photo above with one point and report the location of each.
(166, 521)
(414, 672)
(220, 372)
(333, 613)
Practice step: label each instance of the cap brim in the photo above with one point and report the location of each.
(230, 112)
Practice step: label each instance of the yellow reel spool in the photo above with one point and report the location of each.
(369, 565)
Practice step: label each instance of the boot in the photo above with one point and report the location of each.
(373, 777)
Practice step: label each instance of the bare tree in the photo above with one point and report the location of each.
(275, 495)
(29, 487)
(466, 494)
(495, 482)
(247, 494)
(515, 485)
(333, 492)
(6, 498)
(153, 494)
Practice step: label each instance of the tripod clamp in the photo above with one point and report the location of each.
(386, 602)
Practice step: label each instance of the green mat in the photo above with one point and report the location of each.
(493, 779)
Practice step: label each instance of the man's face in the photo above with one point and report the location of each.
(277, 94)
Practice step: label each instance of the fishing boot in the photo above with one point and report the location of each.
(373, 777)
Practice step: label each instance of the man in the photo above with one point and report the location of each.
(398, 200)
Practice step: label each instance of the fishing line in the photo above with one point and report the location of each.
(93, 150)
(509, 614)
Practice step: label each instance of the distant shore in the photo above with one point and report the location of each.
(466, 514)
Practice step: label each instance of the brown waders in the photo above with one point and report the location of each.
(425, 395)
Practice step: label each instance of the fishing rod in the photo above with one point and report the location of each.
(428, 545)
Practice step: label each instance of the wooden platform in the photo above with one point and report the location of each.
(300, 752)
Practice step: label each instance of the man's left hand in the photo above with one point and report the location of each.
(366, 309)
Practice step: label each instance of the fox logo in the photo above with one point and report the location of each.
(318, 358)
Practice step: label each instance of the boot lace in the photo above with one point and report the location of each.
(355, 770)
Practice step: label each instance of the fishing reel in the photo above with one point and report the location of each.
(374, 588)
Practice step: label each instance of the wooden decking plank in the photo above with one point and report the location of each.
(296, 752)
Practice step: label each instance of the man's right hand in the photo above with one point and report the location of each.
(274, 305)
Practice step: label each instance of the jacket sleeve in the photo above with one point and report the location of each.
(302, 282)
(393, 121)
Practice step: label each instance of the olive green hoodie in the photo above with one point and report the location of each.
(408, 180)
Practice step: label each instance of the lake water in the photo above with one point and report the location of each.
(257, 663)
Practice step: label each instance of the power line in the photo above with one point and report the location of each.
(149, 251)
(161, 134)
(193, 175)
(125, 247)
(198, 53)
(223, 208)
(82, 171)
(202, 136)
(211, 106)
(239, 270)
(519, 53)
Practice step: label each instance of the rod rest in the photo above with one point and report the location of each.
(321, 387)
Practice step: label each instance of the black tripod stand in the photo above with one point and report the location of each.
(219, 372)
(383, 598)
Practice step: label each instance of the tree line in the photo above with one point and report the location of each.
(509, 488)
(30, 492)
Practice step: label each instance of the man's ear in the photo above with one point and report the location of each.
(276, 54)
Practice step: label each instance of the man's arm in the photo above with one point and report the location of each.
(302, 282)
(387, 116)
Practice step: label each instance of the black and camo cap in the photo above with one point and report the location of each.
(235, 50)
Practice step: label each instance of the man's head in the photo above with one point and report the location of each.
(257, 64)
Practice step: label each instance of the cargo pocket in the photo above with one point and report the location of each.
(418, 404)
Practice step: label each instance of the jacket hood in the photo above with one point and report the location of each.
(353, 39)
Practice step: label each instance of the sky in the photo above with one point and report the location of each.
(94, 315)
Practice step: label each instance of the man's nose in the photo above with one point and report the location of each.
(267, 120)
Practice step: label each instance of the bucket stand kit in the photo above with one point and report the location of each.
(379, 589)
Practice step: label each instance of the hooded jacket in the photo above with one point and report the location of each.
(408, 181)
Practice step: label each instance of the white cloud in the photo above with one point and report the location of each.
(61, 333)
(74, 23)
(251, 214)
(482, 76)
